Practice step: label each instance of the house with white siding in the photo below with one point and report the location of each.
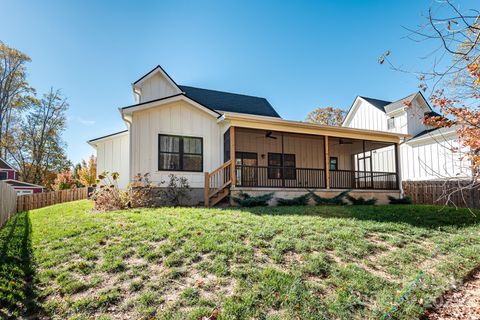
(428, 154)
(227, 143)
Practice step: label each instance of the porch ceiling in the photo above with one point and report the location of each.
(274, 124)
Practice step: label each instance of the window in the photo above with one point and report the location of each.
(3, 175)
(246, 159)
(226, 146)
(247, 173)
(287, 162)
(22, 192)
(333, 163)
(391, 123)
(176, 153)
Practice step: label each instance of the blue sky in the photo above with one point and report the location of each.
(299, 54)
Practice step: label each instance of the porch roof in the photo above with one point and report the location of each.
(281, 125)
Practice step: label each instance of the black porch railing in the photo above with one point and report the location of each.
(280, 177)
(350, 179)
(308, 178)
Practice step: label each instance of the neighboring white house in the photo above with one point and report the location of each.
(428, 153)
(225, 142)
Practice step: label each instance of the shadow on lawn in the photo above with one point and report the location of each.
(17, 273)
(423, 216)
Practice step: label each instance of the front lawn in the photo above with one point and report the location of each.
(265, 263)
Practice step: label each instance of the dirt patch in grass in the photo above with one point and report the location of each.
(461, 303)
(184, 263)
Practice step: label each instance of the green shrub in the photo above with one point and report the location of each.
(404, 200)
(337, 200)
(298, 201)
(361, 201)
(245, 200)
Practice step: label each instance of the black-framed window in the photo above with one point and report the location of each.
(391, 123)
(287, 162)
(333, 165)
(246, 158)
(226, 145)
(180, 153)
(3, 175)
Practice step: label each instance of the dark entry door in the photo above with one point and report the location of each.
(247, 173)
(365, 173)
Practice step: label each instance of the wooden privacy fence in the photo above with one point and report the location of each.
(39, 200)
(8, 202)
(433, 192)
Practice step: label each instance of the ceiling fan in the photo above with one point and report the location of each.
(269, 135)
(345, 141)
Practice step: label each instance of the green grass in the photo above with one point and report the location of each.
(353, 262)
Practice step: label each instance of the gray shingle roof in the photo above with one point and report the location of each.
(400, 103)
(433, 131)
(379, 104)
(230, 102)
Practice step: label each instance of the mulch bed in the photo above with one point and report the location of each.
(460, 303)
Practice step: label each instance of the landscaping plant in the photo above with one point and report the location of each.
(245, 200)
(336, 200)
(107, 196)
(176, 192)
(404, 200)
(298, 201)
(361, 200)
(140, 191)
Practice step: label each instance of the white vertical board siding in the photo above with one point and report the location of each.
(432, 159)
(156, 87)
(368, 117)
(383, 159)
(415, 115)
(113, 156)
(176, 118)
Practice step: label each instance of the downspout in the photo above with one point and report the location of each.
(129, 126)
(399, 170)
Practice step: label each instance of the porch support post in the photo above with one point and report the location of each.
(206, 190)
(283, 162)
(327, 163)
(397, 166)
(233, 175)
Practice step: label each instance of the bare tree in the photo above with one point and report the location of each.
(453, 81)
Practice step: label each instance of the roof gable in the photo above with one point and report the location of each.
(157, 69)
(162, 101)
(377, 103)
(230, 102)
(4, 165)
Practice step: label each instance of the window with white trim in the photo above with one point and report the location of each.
(391, 123)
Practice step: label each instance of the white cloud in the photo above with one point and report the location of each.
(82, 121)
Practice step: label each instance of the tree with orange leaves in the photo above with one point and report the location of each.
(327, 116)
(87, 173)
(453, 80)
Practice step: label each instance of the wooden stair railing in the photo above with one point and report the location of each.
(217, 184)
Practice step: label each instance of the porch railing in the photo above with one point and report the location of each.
(289, 177)
(351, 179)
(280, 177)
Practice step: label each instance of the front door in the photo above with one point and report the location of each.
(364, 179)
(247, 173)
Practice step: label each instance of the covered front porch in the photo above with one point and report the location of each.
(289, 157)
(272, 159)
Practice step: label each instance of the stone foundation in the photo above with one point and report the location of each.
(381, 195)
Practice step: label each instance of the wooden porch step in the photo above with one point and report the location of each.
(219, 196)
